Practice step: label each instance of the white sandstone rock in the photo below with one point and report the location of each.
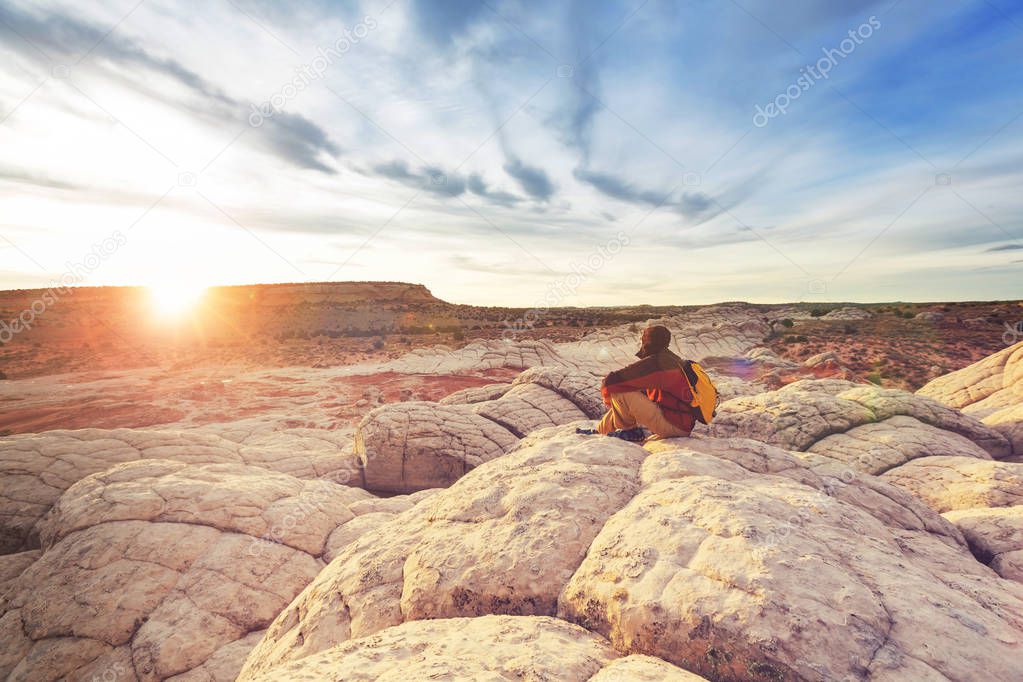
(170, 564)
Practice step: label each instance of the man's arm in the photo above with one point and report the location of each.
(633, 373)
(654, 373)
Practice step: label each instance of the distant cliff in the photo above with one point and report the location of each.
(331, 292)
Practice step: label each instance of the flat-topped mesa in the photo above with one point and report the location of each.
(329, 292)
(314, 292)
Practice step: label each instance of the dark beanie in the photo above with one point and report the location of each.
(655, 339)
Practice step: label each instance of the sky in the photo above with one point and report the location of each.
(514, 152)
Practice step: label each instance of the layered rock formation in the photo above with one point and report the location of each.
(990, 390)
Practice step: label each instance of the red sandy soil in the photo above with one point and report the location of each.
(309, 325)
(166, 398)
(327, 326)
(898, 351)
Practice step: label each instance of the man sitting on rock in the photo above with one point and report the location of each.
(652, 393)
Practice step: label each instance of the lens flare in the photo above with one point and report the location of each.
(173, 299)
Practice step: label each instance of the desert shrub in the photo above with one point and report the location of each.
(801, 339)
(874, 378)
(458, 335)
(787, 323)
(850, 329)
(820, 312)
(378, 343)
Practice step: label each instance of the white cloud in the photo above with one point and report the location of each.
(532, 165)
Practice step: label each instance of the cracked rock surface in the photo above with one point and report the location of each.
(803, 415)
(174, 569)
(35, 469)
(984, 499)
(995, 536)
(485, 648)
(417, 445)
(953, 483)
(730, 558)
(825, 530)
(405, 447)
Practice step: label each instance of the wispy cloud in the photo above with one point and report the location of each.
(428, 178)
(618, 188)
(534, 181)
(59, 41)
(477, 185)
(491, 138)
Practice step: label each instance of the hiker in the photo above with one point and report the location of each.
(654, 392)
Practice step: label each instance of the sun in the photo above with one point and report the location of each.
(172, 299)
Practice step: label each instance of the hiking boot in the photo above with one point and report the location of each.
(633, 435)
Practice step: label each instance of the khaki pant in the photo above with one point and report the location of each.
(632, 409)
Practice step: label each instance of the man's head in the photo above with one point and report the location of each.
(655, 339)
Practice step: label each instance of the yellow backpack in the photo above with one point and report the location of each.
(705, 395)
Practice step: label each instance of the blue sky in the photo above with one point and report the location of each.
(501, 151)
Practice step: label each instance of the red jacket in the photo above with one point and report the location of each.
(661, 377)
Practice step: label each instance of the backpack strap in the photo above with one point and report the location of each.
(687, 369)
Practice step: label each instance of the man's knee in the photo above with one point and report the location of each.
(607, 423)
